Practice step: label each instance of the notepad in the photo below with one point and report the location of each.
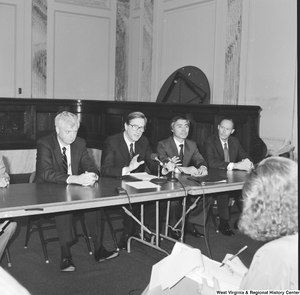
(208, 179)
(186, 261)
(142, 184)
(142, 176)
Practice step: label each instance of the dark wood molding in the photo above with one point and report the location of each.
(23, 121)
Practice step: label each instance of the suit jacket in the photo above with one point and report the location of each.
(49, 167)
(215, 155)
(115, 155)
(167, 149)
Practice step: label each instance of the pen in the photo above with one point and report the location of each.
(238, 253)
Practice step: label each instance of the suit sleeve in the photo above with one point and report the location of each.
(109, 163)
(162, 152)
(197, 159)
(152, 165)
(213, 159)
(47, 166)
(85, 162)
(242, 154)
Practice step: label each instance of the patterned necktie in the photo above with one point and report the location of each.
(226, 153)
(65, 160)
(181, 153)
(131, 152)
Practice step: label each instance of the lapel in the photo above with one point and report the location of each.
(173, 147)
(74, 158)
(219, 147)
(186, 154)
(232, 149)
(186, 151)
(57, 151)
(124, 148)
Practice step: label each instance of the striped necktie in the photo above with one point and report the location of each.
(65, 160)
(131, 152)
(226, 153)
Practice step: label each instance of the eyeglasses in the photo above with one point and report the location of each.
(136, 128)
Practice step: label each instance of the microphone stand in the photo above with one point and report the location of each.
(158, 180)
(172, 178)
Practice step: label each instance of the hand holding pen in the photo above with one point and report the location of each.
(233, 256)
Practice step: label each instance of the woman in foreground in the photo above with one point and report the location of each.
(270, 214)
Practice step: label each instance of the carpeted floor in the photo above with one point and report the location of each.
(129, 273)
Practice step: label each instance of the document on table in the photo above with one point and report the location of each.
(142, 184)
(190, 262)
(143, 176)
(170, 270)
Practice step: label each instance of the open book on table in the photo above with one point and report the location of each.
(190, 262)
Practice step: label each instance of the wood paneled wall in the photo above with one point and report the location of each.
(23, 121)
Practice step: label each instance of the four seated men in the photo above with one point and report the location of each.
(63, 158)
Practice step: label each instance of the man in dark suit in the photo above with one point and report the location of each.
(225, 152)
(128, 152)
(63, 158)
(184, 151)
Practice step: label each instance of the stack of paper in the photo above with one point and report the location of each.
(187, 261)
(142, 176)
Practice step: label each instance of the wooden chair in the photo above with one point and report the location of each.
(109, 214)
(40, 223)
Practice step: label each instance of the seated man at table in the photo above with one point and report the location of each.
(126, 152)
(185, 152)
(225, 152)
(7, 228)
(63, 158)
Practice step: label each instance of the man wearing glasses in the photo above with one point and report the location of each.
(128, 152)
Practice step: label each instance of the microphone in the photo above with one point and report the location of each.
(154, 157)
(158, 180)
(172, 178)
(178, 167)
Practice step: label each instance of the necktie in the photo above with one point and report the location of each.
(65, 160)
(226, 153)
(131, 152)
(181, 153)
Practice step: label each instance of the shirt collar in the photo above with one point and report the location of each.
(128, 142)
(178, 143)
(223, 142)
(61, 145)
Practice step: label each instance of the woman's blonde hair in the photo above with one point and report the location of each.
(270, 196)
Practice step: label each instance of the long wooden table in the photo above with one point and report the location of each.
(43, 198)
